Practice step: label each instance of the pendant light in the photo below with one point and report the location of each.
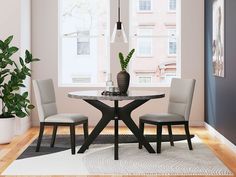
(118, 34)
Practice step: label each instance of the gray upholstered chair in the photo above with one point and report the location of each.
(180, 101)
(48, 115)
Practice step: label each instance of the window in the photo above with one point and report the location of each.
(144, 5)
(83, 42)
(145, 79)
(172, 5)
(144, 42)
(86, 55)
(155, 40)
(172, 49)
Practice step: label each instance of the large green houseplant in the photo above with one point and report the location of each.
(123, 77)
(12, 76)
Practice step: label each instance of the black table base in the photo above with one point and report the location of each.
(116, 113)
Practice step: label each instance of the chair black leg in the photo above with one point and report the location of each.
(72, 136)
(54, 134)
(188, 136)
(159, 138)
(141, 127)
(170, 135)
(85, 127)
(40, 136)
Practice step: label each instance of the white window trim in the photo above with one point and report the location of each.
(144, 11)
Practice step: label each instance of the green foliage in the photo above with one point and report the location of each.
(125, 61)
(12, 78)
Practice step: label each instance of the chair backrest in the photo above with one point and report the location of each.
(181, 95)
(45, 98)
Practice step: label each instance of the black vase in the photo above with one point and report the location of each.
(123, 79)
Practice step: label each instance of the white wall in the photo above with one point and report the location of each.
(15, 20)
(10, 20)
(45, 47)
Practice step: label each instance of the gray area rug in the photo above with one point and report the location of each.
(99, 160)
(62, 143)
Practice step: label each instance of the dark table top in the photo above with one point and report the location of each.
(131, 95)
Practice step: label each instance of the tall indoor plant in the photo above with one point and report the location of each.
(12, 76)
(123, 77)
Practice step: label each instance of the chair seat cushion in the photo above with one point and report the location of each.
(66, 118)
(162, 118)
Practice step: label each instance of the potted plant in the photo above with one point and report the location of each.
(12, 76)
(123, 77)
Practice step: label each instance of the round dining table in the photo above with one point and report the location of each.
(116, 113)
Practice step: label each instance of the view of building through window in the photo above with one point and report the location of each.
(153, 34)
(84, 36)
(144, 5)
(85, 41)
(172, 5)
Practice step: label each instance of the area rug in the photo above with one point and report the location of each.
(99, 160)
(63, 143)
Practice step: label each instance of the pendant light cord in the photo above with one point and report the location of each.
(118, 10)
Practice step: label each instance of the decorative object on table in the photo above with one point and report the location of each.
(109, 83)
(12, 77)
(218, 38)
(118, 34)
(123, 77)
(112, 93)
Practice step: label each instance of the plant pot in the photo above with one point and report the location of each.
(6, 129)
(123, 79)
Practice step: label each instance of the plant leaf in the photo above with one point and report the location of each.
(8, 40)
(25, 94)
(31, 106)
(21, 114)
(22, 62)
(12, 50)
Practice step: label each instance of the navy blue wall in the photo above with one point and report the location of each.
(220, 93)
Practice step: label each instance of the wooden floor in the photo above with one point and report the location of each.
(10, 152)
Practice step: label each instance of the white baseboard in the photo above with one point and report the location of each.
(219, 136)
